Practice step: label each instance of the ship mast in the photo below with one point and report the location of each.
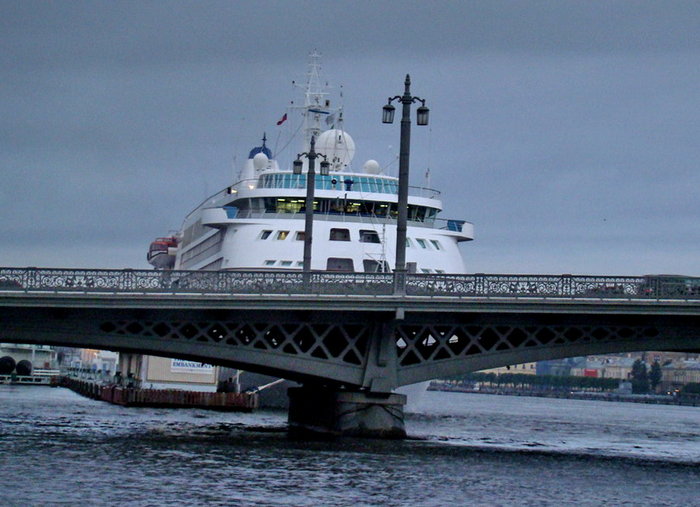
(316, 103)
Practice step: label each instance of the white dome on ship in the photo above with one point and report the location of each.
(260, 161)
(372, 167)
(338, 146)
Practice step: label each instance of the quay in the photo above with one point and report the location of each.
(161, 398)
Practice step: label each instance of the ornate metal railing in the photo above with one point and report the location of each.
(350, 284)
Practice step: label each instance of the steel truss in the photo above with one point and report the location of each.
(358, 349)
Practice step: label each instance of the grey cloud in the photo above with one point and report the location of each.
(566, 131)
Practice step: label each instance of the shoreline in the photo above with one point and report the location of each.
(651, 399)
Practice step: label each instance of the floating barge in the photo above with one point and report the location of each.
(163, 398)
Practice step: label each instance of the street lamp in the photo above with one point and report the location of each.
(421, 119)
(311, 155)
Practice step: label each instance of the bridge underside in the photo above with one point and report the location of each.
(367, 350)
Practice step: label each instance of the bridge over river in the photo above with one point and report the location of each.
(349, 338)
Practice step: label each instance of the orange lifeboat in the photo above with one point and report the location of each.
(161, 253)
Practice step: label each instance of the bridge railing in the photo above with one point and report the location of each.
(193, 282)
(360, 284)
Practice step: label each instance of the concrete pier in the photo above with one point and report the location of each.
(326, 412)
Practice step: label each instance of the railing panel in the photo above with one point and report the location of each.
(346, 284)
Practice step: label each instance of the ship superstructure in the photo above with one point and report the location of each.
(257, 223)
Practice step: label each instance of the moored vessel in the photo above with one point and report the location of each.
(257, 223)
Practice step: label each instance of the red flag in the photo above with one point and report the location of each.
(282, 120)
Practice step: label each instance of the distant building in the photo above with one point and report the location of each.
(558, 367)
(605, 367)
(152, 372)
(677, 368)
(104, 361)
(524, 368)
(676, 375)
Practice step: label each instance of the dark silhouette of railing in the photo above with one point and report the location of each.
(651, 287)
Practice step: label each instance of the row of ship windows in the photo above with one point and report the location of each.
(341, 264)
(334, 182)
(366, 236)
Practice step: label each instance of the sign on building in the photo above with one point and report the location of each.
(184, 366)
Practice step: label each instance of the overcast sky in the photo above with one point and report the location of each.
(567, 132)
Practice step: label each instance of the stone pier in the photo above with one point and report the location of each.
(328, 412)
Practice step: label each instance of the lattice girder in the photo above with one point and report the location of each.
(318, 346)
(463, 343)
(355, 348)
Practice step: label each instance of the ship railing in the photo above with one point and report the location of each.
(214, 216)
(359, 183)
(322, 183)
(295, 282)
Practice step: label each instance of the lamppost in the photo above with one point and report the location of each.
(421, 119)
(311, 155)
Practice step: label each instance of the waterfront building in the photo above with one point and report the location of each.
(104, 361)
(153, 372)
(676, 375)
(523, 369)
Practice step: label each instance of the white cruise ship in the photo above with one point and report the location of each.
(257, 223)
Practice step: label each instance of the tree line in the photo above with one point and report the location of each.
(644, 380)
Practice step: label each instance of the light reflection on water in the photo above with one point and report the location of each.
(58, 447)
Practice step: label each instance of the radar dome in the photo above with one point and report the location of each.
(372, 167)
(338, 146)
(260, 161)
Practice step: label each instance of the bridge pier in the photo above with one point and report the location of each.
(326, 412)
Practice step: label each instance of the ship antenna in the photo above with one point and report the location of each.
(315, 104)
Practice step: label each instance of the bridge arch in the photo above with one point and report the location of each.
(374, 346)
(461, 344)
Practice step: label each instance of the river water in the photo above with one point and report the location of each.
(465, 449)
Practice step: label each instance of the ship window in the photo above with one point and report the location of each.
(285, 263)
(300, 236)
(441, 271)
(352, 208)
(300, 263)
(425, 270)
(282, 235)
(436, 244)
(369, 237)
(339, 264)
(270, 263)
(372, 266)
(421, 243)
(409, 243)
(340, 235)
(265, 234)
(416, 213)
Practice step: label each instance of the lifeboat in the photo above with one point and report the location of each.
(161, 253)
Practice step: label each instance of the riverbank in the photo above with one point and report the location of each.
(654, 399)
